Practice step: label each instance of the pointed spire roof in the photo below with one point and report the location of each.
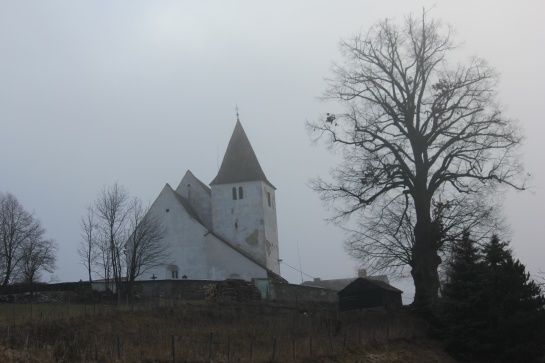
(239, 163)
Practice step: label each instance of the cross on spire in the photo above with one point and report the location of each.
(236, 108)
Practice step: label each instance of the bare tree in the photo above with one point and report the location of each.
(104, 267)
(38, 254)
(416, 130)
(119, 236)
(17, 227)
(89, 244)
(112, 211)
(144, 248)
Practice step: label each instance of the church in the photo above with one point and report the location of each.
(227, 230)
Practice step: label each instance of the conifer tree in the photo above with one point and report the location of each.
(516, 317)
(493, 310)
(463, 301)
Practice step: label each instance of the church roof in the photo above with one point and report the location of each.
(240, 163)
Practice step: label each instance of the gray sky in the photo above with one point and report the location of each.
(94, 92)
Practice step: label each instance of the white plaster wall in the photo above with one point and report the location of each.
(197, 253)
(184, 236)
(249, 223)
(271, 229)
(225, 262)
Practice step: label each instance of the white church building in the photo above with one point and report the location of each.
(223, 231)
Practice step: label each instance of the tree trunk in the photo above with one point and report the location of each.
(425, 259)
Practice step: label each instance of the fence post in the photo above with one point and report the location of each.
(173, 349)
(274, 349)
(26, 341)
(228, 348)
(251, 349)
(96, 348)
(210, 347)
(118, 347)
(310, 345)
(293, 347)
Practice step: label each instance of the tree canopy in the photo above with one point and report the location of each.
(424, 143)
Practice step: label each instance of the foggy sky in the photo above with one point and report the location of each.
(138, 92)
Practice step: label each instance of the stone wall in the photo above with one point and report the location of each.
(181, 289)
(299, 293)
(196, 290)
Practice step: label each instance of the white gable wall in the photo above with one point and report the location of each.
(193, 251)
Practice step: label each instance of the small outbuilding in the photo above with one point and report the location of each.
(365, 293)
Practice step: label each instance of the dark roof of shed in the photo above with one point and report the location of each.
(240, 163)
(361, 282)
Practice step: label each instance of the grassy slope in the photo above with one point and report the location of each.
(250, 332)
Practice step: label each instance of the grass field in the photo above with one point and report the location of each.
(167, 331)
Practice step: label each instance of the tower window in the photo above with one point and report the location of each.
(234, 193)
(173, 271)
(240, 193)
(269, 198)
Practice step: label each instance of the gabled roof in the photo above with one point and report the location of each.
(240, 163)
(190, 176)
(362, 283)
(186, 205)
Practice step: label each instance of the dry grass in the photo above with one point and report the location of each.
(184, 332)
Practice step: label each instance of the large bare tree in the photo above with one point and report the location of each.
(417, 130)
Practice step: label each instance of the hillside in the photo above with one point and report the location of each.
(170, 331)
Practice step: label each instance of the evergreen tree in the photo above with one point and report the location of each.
(493, 311)
(516, 316)
(463, 301)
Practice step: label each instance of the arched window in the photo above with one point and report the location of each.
(240, 193)
(269, 198)
(234, 193)
(172, 272)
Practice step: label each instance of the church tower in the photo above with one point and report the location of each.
(243, 203)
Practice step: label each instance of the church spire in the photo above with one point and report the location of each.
(240, 163)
